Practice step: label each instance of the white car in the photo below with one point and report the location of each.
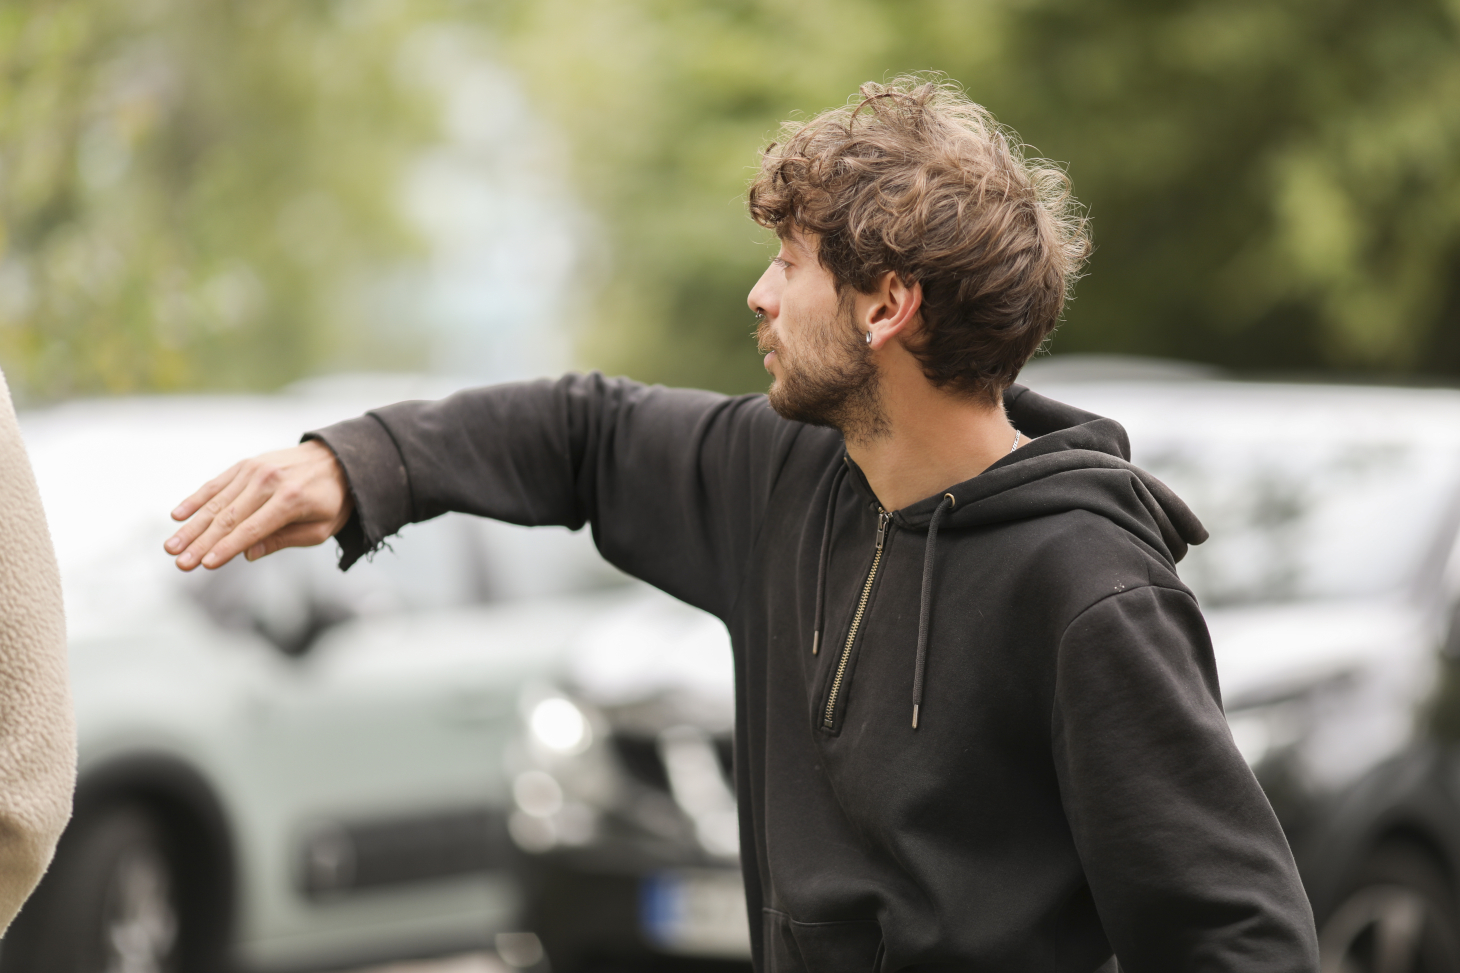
(283, 767)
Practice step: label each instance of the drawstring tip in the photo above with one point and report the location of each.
(815, 643)
(915, 716)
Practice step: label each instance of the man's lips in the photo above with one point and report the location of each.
(765, 342)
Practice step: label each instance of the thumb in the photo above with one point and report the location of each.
(294, 535)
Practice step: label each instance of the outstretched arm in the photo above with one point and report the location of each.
(673, 481)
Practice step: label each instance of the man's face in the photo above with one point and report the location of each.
(821, 368)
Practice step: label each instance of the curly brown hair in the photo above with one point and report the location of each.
(916, 179)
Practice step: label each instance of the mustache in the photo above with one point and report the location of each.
(765, 339)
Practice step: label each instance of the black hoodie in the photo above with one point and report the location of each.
(1070, 786)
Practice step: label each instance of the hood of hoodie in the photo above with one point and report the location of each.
(1077, 461)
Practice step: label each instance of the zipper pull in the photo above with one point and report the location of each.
(882, 518)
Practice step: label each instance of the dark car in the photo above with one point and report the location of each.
(1330, 585)
(623, 787)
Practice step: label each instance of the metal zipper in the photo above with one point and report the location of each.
(883, 519)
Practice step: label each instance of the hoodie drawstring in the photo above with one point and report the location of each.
(836, 483)
(926, 609)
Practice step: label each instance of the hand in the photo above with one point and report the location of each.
(294, 497)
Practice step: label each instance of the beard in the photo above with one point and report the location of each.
(831, 383)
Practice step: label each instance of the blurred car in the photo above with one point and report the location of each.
(486, 731)
(1330, 585)
(625, 807)
(283, 767)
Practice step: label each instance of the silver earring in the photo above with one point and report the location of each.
(869, 337)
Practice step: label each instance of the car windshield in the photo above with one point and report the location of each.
(1308, 493)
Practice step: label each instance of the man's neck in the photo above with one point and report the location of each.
(932, 440)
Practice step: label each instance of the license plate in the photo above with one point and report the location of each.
(698, 912)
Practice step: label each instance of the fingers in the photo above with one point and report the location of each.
(205, 493)
(221, 517)
(264, 523)
(295, 535)
(219, 508)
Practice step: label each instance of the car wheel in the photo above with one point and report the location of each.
(108, 905)
(1398, 917)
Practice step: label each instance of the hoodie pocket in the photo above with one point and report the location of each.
(850, 946)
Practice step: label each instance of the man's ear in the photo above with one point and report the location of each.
(891, 310)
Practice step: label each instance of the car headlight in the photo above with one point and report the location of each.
(544, 819)
(1259, 731)
(1265, 725)
(560, 726)
(538, 793)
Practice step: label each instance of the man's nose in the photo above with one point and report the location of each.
(762, 297)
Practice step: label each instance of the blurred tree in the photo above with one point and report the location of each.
(1274, 183)
(664, 104)
(203, 193)
(199, 193)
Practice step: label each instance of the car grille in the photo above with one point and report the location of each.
(640, 757)
(339, 857)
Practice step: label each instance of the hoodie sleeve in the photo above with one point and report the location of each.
(1185, 858)
(673, 481)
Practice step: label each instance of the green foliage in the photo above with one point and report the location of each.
(1273, 183)
(665, 104)
(205, 193)
(192, 190)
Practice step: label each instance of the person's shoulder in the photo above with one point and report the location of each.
(1081, 557)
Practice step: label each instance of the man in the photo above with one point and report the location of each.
(978, 720)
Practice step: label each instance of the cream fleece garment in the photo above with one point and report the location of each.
(37, 726)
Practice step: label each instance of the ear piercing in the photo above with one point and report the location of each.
(869, 337)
